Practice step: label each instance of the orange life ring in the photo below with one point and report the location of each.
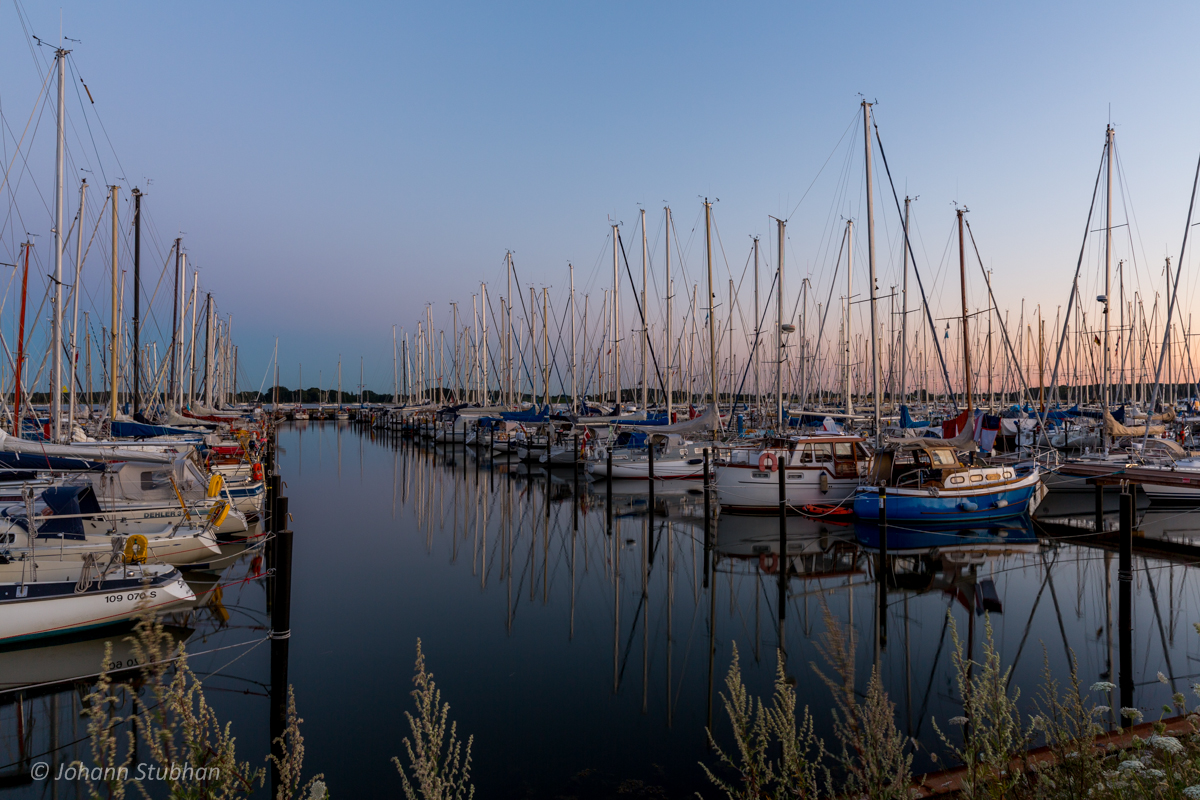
(768, 458)
(768, 562)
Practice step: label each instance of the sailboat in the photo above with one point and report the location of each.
(923, 480)
(341, 413)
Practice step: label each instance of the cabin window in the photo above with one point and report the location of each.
(843, 450)
(822, 453)
(976, 479)
(1008, 473)
(993, 476)
(943, 458)
(795, 476)
(761, 475)
(153, 480)
(957, 479)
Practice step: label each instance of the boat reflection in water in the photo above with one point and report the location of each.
(948, 559)
(814, 548)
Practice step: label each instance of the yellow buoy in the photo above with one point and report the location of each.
(215, 483)
(136, 548)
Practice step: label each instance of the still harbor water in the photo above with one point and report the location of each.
(586, 662)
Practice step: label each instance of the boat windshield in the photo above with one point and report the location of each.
(943, 458)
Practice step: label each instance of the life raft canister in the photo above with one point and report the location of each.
(767, 462)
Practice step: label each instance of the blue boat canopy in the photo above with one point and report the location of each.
(68, 501)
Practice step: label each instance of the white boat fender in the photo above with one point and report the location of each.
(1001, 503)
(824, 482)
(967, 505)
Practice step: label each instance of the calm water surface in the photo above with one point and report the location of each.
(588, 664)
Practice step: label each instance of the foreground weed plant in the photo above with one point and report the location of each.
(179, 742)
(1061, 752)
(439, 764)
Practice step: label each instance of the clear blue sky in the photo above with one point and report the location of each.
(337, 166)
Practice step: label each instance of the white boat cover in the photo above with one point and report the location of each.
(709, 420)
(92, 452)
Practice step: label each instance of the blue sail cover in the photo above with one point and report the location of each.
(532, 415)
(906, 420)
(1070, 413)
(24, 461)
(139, 430)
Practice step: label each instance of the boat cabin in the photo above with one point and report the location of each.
(844, 456)
(932, 463)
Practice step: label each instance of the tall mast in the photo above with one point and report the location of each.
(669, 347)
(114, 359)
(904, 313)
(574, 381)
(56, 335)
(615, 311)
(208, 351)
(72, 353)
(533, 392)
(137, 301)
(175, 314)
(846, 327)
(962, 272)
(712, 323)
(395, 371)
(457, 363)
(991, 365)
(483, 303)
(192, 367)
(876, 382)
(757, 334)
(21, 346)
(585, 334)
(177, 356)
(780, 227)
(1104, 390)
(645, 325)
(508, 354)
(546, 343)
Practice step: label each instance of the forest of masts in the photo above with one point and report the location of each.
(530, 351)
(117, 364)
